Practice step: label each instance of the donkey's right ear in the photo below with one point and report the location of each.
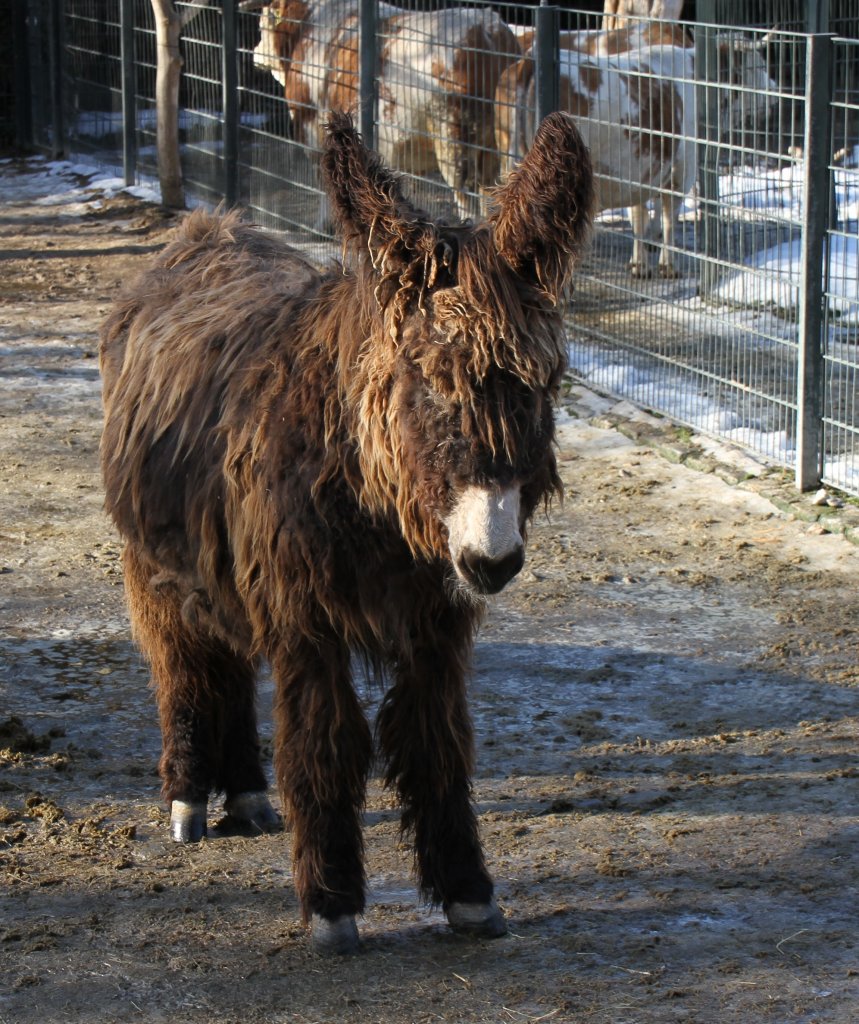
(368, 201)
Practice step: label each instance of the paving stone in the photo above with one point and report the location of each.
(832, 522)
(674, 451)
(605, 421)
(700, 462)
(852, 534)
(771, 483)
(732, 475)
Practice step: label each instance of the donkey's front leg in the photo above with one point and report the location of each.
(426, 737)
(323, 749)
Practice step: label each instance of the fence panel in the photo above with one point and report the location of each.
(201, 101)
(692, 302)
(697, 334)
(145, 67)
(278, 150)
(93, 78)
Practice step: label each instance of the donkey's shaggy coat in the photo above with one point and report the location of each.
(305, 465)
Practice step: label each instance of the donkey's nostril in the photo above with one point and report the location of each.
(489, 575)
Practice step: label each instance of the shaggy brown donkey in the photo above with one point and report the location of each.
(307, 465)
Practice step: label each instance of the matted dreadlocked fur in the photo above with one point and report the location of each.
(282, 451)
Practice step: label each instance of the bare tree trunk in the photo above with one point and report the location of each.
(168, 30)
(617, 11)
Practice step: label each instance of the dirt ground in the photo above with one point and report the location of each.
(666, 711)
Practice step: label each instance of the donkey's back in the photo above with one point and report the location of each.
(181, 297)
(184, 359)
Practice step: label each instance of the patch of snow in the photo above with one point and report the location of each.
(75, 188)
(772, 277)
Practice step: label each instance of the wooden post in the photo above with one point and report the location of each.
(168, 28)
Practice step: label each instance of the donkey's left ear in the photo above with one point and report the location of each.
(368, 200)
(543, 211)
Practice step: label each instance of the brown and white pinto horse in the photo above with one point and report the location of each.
(306, 466)
(633, 90)
(436, 82)
(636, 112)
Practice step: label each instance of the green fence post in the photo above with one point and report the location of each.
(547, 20)
(129, 92)
(813, 268)
(230, 87)
(367, 72)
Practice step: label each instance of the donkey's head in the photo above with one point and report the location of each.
(452, 393)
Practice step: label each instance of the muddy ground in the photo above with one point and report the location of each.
(666, 711)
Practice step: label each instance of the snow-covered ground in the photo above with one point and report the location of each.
(754, 307)
(77, 187)
(774, 274)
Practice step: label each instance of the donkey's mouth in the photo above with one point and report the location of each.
(489, 575)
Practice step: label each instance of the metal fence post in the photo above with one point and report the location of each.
(818, 16)
(55, 74)
(547, 22)
(707, 106)
(129, 92)
(813, 266)
(230, 88)
(367, 67)
(21, 57)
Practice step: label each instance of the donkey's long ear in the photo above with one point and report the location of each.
(543, 211)
(368, 201)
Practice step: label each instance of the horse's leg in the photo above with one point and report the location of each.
(323, 750)
(669, 206)
(425, 735)
(639, 264)
(457, 156)
(205, 695)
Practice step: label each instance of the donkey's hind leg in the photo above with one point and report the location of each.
(205, 695)
(240, 776)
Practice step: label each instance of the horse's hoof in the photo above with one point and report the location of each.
(483, 920)
(253, 809)
(187, 821)
(334, 937)
(640, 271)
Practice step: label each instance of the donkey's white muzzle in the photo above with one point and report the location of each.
(485, 544)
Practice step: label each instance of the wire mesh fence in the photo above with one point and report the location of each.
(92, 77)
(691, 332)
(721, 288)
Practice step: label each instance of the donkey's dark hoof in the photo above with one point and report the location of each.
(187, 821)
(333, 937)
(483, 920)
(253, 810)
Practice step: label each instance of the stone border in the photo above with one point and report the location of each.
(735, 467)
